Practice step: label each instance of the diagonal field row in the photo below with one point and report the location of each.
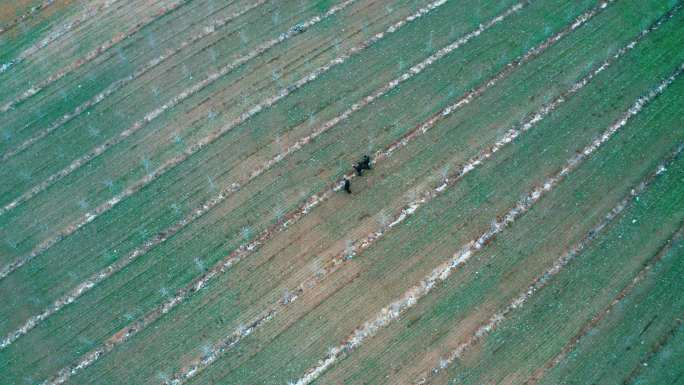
(112, 88)
(47, 20)
(135, 254)
(389, 353)
(184, 58)
(466, 252)
(173, 208)
(170, 149)
(73, 22)
(632, 258)
(245, 249)
(628, 327)
(361, 244)
(406, 369)
(58, 50)
(152, 42)
(10, 18)
(539, 283)
(357, 246)
(310, 328)
(185, 85)
(660, 363)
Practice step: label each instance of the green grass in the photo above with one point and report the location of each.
(638, 325)
(534, 335)
(442, 232)
(110, 117)
(661, 367)
(88, 183)
(429, 155)
(164, 193)
(325, 314)
(31, 30)
(201, 245)
(498, 275)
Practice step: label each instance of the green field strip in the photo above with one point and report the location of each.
(236, 230)
(95, 352)
(179, 128)
(638, 324)
(325, 362)
(663, 366)
(537, 331)
(549, 253)
(110, 187)
(383, 268)
(58, 52)
(146, 81)
(52, 21)
(92, 79)
(12, 14)
(18, 36)
(428, 335)
(202, 185)
(53, 57)
(146, 346)
(174, 218)
(105, 192)
(106, 120)
(403, 347)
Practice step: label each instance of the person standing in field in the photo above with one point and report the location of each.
(347, 186)
(364, 164)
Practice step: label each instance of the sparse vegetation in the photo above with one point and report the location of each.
(173, 205)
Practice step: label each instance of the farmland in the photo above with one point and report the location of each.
(172, 211)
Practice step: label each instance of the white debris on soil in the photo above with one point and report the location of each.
(227, 264)
(441, 273)
(89, 358)
(5, 66)
(78, 63)
(543, 279)
(169, 163)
